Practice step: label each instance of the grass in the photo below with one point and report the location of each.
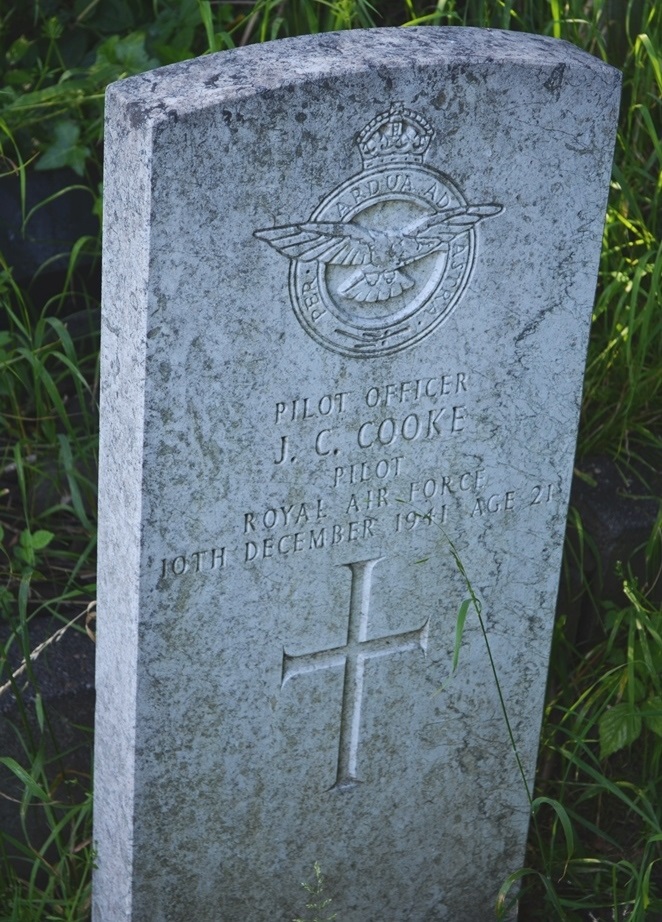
(595, 843)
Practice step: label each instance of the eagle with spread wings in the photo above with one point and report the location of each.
(381, 255)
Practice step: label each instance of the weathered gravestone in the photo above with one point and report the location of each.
(348, 287)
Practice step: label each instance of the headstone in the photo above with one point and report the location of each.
(348, 287)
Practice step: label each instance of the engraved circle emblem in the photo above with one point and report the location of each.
(386, 256)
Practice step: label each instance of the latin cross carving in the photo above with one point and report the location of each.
(353, 657)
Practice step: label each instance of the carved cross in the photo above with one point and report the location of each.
(352, 656)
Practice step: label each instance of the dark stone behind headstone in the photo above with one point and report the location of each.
(64, 675)
(618, 505)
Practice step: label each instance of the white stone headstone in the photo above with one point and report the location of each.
(347, 291)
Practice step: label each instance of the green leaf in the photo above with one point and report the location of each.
(52, 28)
(41, 539)
(619, 727)
(19, 78)
(65, 149)
(18, 49)
(24, 551)
(652, 713)
(128, 53)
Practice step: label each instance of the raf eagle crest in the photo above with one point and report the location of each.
(388, 254)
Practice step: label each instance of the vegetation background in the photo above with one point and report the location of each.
(595, 845)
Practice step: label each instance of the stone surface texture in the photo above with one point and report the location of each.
(347, 291)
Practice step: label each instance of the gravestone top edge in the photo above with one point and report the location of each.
(195, 84)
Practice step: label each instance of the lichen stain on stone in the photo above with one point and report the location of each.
(555, 80)
(137, 113)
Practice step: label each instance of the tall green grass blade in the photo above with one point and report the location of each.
(31, 786)
(459, 630)
(564, 819)
(67, 460)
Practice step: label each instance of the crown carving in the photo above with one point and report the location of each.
(397, 134)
